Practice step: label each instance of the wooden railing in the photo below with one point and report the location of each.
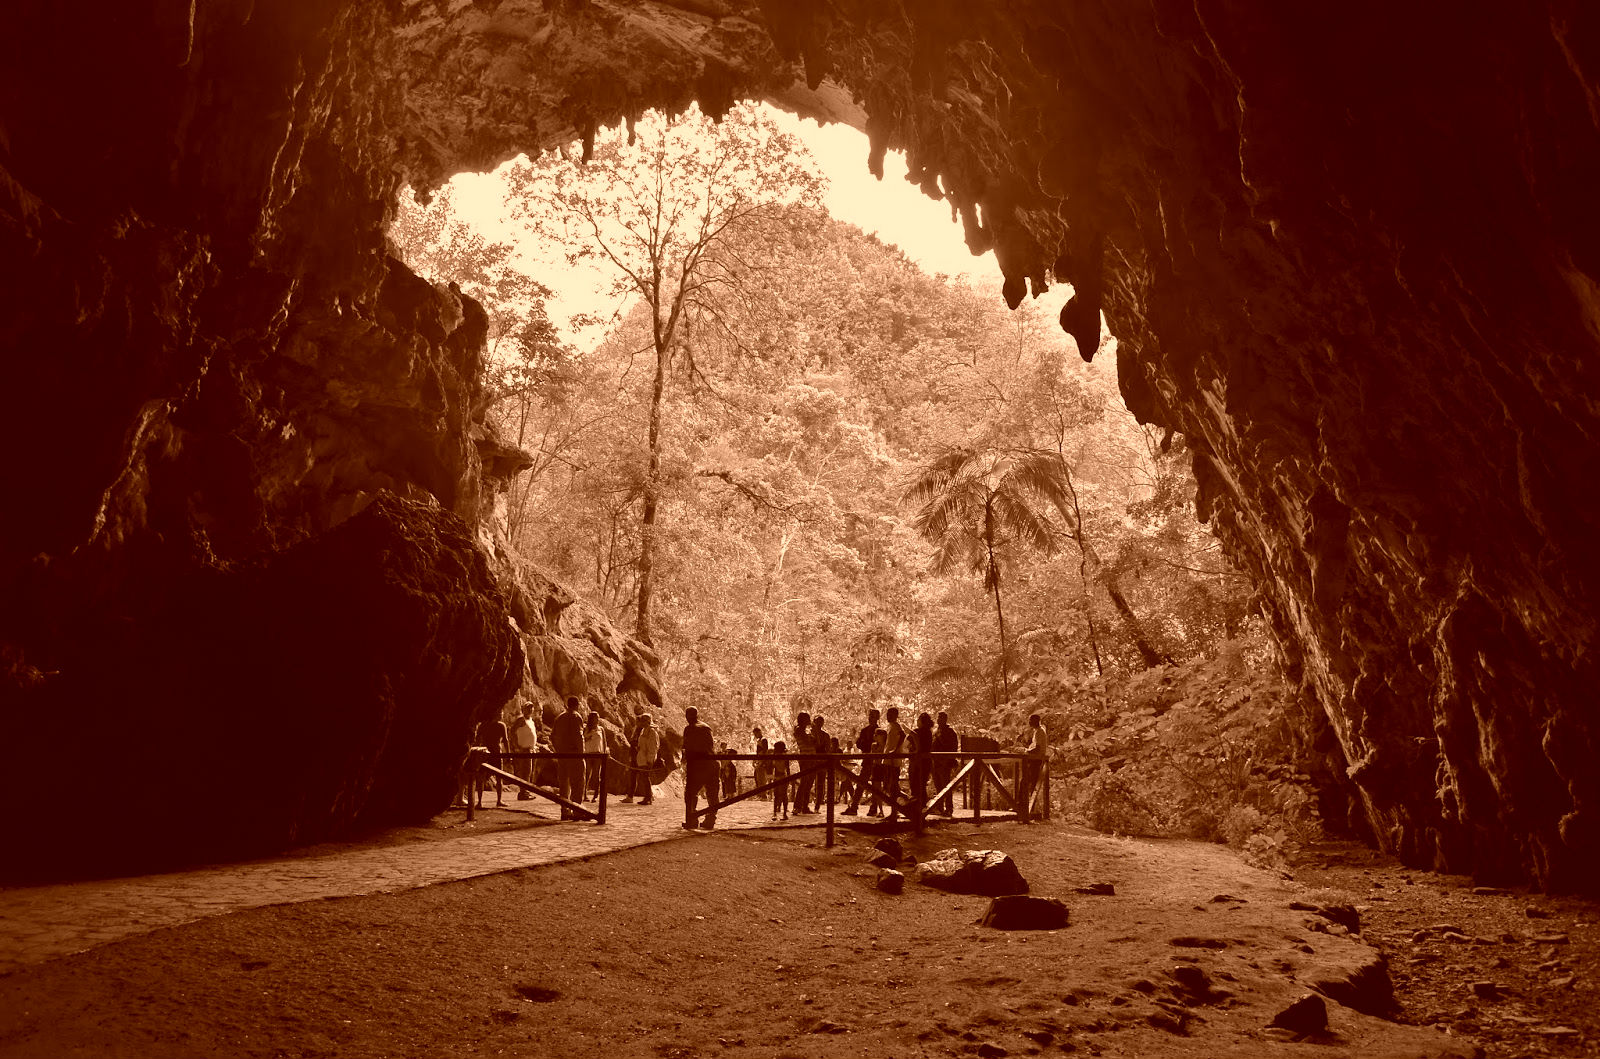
(480, 761)
(1028, 796)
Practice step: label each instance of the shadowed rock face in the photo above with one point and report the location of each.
(1351, 261)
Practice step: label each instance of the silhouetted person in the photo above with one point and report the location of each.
(945, 741)
(875, 772)
(802, 744)
(566, 737)
(921, 764)
(780, 772)
(824, 745)
(1037, 747)
(864, 745)
(594, 742)
(894, 742)
(699, 769)
(492, 737)
(730, 774)
(646, 750)
(763, 769)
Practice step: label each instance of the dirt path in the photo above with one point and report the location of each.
(733, 944)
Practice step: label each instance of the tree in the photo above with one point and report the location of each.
(665, 218)
(978, 508)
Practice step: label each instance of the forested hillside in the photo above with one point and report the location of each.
(815, 396)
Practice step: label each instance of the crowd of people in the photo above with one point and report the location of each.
(878, 780)
(713, 774)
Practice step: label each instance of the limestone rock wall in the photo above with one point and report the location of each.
(1353, 257)
(241, 482)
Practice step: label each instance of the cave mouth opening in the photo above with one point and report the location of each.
(858, 349)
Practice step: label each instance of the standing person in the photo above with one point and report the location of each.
(647, 749)
(864, 739)
(875, 807)
(894, 742)
(630, 731)
(1037, 747)
(802, 744)
(763, 768)
(824, 744)
(492, 737)
(847, 784)
(594, 742)
(524, 740)
(780, 772)
(566, 737)
(730, 773)
(921, 764)
(699, 769)
(945, 741)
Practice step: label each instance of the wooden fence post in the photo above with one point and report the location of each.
(1019, 782)
(829, 843)
(977, 788)
(605, 760)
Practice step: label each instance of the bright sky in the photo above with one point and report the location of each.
(893, 209)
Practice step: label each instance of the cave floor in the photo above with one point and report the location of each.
(762, 943)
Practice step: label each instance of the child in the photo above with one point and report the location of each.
(780, 770)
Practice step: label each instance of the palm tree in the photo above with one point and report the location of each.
(977, 504)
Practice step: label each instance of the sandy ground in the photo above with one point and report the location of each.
(764, 944)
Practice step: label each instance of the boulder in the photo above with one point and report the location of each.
(1305, 1016)
(892, 847)
(989, 872)
(1357, 978)
(1021, 912)
(891, 881)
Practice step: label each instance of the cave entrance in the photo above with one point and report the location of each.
(769, 403)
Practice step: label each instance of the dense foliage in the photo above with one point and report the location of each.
(811, 377)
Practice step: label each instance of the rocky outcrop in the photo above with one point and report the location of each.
(989, 872)
(320, 690)
(240, 476)
(1353, 265)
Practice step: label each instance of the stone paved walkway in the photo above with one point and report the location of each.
(38, 923)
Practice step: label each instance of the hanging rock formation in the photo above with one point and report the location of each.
(1351, 259)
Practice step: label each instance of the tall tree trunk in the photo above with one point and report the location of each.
(1151, 656)
(1088, 613)
(1090, 566)
(647, 521)
(992, 578)
(1096, 570)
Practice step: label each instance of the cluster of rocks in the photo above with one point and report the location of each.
(986, 872)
